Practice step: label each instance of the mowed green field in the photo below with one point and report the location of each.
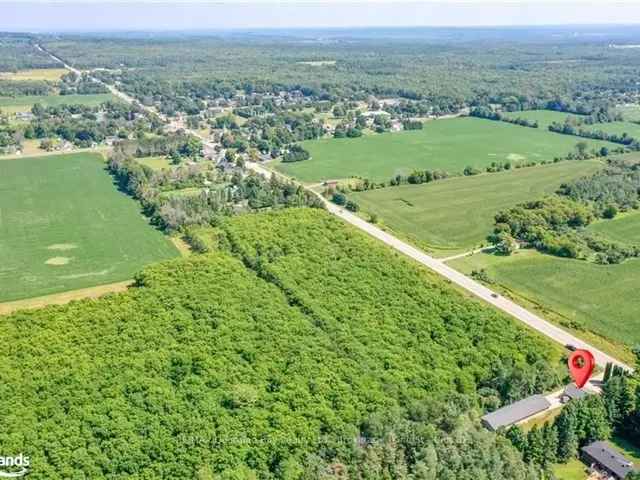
(602, 298)
(64, 226)
(617, 128)
(50, 74)
(25, 103)
(458, 213)
(630, 112)
(547, 117)
(624, 228)
(448, 145)
(543, 117)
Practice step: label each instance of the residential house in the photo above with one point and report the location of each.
(572, 392)
(606, 461)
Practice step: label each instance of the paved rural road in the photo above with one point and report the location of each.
(479, 290)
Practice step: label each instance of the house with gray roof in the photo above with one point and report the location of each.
(603, 458)
(572, 392)
(515, 412)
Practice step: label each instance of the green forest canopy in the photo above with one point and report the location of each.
(267, 362)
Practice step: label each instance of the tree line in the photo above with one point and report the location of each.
(586, 420)
(556, 224)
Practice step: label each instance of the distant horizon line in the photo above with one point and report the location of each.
(319, 27)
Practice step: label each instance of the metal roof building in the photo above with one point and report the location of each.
(515, 412)
(605, 457)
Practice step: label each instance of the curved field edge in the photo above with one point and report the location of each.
(457, 214)
(294, 332)
(624, 228)
(64, 298)
(65, 226)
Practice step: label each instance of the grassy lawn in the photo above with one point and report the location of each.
(64, 226)
(626, 448)
(458, 213)
(624, 228)
(31, 147)
(51, 74)
(543, 117)
(547, 417)
(631, 113)
(24, 103)
(618, 128)
(573, 470)
(579, 292)
(449, 145)
(156, 163)
(547, 117)
(183, 192)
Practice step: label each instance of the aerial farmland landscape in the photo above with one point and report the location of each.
(294, 241)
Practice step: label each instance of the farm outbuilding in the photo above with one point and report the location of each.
(515, 412)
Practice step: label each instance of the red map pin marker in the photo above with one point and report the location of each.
(581, 364)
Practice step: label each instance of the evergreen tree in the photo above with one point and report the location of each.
(536, 446)
(618, 400)
(517, 437)
(592, 421)
(551, 442)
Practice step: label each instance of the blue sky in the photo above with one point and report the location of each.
(88, 15)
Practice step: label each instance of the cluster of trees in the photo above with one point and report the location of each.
(221, 194)
(349, 381)
(581, 422)
(74, 84)
(569, 128)
(419, 176)
(10, 88)
(603, 115)
(548, 225)
(412, 125)
(609, 252)
(296, 153)
(556, 224)
(339, 198)
(434, 105)
(490, 114)
(177, 146)
(84, 125)
(272, 133)
(10, 135)
(612, 189)
(621, 396)
(345, 131)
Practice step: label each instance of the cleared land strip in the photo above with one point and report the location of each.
(64, 297)
(477, 289)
